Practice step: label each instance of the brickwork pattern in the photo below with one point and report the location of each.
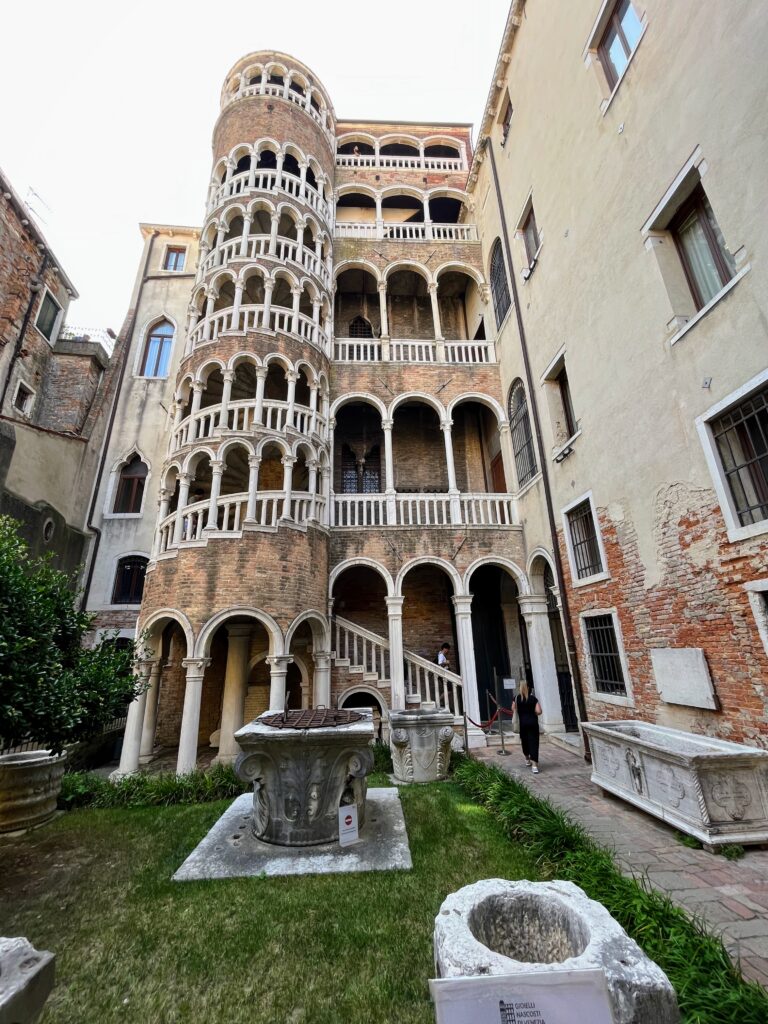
(260, 117)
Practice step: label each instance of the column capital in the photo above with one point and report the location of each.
(239, 630)
(269, 285)
(254, 461)
(533, 604)
(394, 605)
(387, 424)
(275, 218)
(321, 658)
(432, 287)
(162, 494)
(382, 286)
(462, 604)
(195, 667)
(289, 460)
(228, 375)
(185, 478)
(279, 662)
(291, 375)
(217, 466)
(504, 427)
(261, 372)
(197, 385)
(446, 425)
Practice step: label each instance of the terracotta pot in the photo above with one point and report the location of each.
(29, 787)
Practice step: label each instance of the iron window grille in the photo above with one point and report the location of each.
(741, 436)
(157, 352)
(360, 328)
(174, 259)
(129, 580)
(607, 670)
(586, 550)
(522, 436)
(130, 489)
(499, 284)
(619, 41)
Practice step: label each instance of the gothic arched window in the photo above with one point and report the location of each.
(360, 328)
(522, 437)
(157, 350)
(129, 580)
(499, 284)
(130, 487)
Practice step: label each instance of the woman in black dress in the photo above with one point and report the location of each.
(528, 711)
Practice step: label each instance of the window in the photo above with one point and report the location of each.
(364, 478)
(499, 284)
(741, 438)
(522, 437)
(174, 258)
(707, 263)
(157, 353)
(22, 400)
(531, 237)
(130, 487)
(619, 40)
(48, 316)
(587, 559)
(129, 580)
(360, 328)
(565, 397)
(604, 655)
(506, 119)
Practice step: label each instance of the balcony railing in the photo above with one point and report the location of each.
(270, 181)
(353, 511)
(254, 247)
(405, 350)
(405, 163)
(241, 418)
(254, 318)
(270, 89)
(415, 232)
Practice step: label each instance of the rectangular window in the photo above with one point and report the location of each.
(506, 120)
(586, 550)
(741, 437)
(48, 315)
(129, 581)
(707, 263)
(23, 399)
(174, 259)
(619, 40)
(605, 660)
(531, 236)
(565, 397)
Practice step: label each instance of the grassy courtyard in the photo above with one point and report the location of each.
(132, 946)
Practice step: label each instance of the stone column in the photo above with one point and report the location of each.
(252, 171)
(396, 672)
(254, 461)
(439, 339)
(427, 219)
(278, 670)
(184, 483)
(267, 310)
(217, 469)
(279, 160)
(379, 217)
(389, 472)
(507, 454)
(321, 688)
(129, 758)
(288, 463)
(534, 610)
(453, 490)
(274, 222)
(291, 376)
(197, 397)
(261, 378)
(162, 512)
(313, 391)
(190, 718)
(150, 711)
(209, 303)
(466, 642)
(331, 508)
(226, 394)
(312, 487)
(296, 292)
(316, 304)
(384, 320)
(235, 687)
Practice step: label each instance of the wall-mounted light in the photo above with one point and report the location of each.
(563, 455)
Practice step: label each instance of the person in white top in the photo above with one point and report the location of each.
(442, 655)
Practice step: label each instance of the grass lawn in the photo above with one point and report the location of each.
(131, 946)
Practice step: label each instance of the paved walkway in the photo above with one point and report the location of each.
(731, 896)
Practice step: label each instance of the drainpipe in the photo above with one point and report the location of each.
(570, 639)
(108, 432)
(35, 290)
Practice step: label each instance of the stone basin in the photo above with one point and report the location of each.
(712, 789)
(301, 776)
(498, 927)
(420, 741)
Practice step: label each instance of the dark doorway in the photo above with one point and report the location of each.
(489, 632)
(564, 683)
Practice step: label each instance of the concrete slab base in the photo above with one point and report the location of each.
(230, 850)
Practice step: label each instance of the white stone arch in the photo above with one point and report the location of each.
(291, 149)
(250, 270)
(195, 457)
(371, 563)
(403, 190)
(416, 267)
(365, 137)
(205, 370)
(447, 192)
(356, 186)
(318, 623)
(450, 569)
(149, 323)
(287, 274)
(175, 466)
(234, 442)
(357, 264)
(417, 396)
(460, 268)
(161, 617)
(302, 365)
(300, 444)
(369, 691)
(203, 643)
(359, 396)
(276, 440)
(266, 142)
(518, 575)
(229, 214)
(241, 357)
(537, 554)
(220, 277)
(393, 138)
(238, 151)
(315, 228)
(114, 479)
(443, 140)
(477, 396)
(260, 203)
(280, 358)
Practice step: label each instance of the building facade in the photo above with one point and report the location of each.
(395, 392)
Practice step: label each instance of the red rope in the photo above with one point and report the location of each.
(484, 725)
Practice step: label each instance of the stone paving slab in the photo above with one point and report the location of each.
(230, 850)
(730, 896)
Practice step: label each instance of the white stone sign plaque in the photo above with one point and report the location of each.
(348, 833)
(559, 997)
(510, 684)
(682, 677)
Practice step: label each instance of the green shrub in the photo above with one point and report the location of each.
(709, 988)
(382, 757)
(86, 789)
(53, 690)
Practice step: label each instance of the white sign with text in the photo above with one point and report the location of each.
(348, 833)
(557, 997)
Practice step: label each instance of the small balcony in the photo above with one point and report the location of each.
(278, 182)
(249, 247)
(403, 153)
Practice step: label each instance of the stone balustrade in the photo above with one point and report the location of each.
(388, 161)
(411, 350)
(243, 417)
(422, 231)
(353, 511)
(262, 317)
(279, 182)
(255, 247)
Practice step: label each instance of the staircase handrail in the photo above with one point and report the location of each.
(361, 631)
(432, 666)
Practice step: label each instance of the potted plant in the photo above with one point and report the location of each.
(53, 690)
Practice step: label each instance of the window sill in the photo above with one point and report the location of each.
(737, 533)
(588, 580)
(141, 376)
(123, 607)
(524, 490)
(561, 453)
(609, 100)
(527, 272)
(710, 305)
(123, 515)
(612, 698)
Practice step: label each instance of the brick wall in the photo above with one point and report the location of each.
(258, 117)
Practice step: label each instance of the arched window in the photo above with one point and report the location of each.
(157, 351)
(499, 284)
(129, 580)
(522, 438)
(360, 328)
(130, 487)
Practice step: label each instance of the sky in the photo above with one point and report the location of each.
(107, 109)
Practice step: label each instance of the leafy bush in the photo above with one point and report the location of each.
(86, 789)
(382, 757)
(709, 988)
(53, 690)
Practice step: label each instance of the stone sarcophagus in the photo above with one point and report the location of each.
(712, 789)
(420, 740)
(304, 765)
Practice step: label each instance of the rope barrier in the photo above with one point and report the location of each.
(484, 725)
